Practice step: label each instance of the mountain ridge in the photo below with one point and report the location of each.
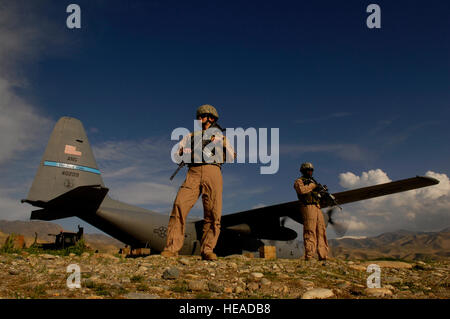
(400, 244)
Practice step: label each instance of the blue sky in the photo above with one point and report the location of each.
(345, 97)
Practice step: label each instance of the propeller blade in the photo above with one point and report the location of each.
(339, 227)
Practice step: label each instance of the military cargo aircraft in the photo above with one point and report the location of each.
(68, 183)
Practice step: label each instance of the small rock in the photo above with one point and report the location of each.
(116, 285)
(305, 283)
(405, 287)
(214, 287)
(228, 290)
(233, 265)
(389, 287)
(358, 267)
(192, 276)
(85, 255)
(143, 269)
(138, 295)
(184, 261)
(377, 292)
(318, 293)
(265, 282)
(196, 285)
(256, 275)
(359, 285)
(14, 272)
(350, 262)
(343, 285)
(156, 289)
(238, 290)
(171, 273)
(48, 256)
(392, 279)
(252, 286)
(72, 255)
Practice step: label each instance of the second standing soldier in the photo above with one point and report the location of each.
(314, 231)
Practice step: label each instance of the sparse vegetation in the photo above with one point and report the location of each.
(101, 290)
(37, 292)
(203, 295)
(8, 246)
(180, 287)
(104, 276)
(137, 278)
(142, 287)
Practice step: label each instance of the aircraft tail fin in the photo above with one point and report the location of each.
(77, 202)
(68, 164)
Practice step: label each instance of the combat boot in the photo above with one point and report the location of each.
(168, 253)
(209, 256)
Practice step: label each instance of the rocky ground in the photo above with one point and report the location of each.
(25, 275)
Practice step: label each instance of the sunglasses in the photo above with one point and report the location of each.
(206, 115)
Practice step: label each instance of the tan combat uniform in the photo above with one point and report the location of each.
(205, 179)
(314, 231)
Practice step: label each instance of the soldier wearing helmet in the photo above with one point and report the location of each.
(314, 231)
(203, 178)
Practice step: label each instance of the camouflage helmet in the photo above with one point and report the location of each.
(207, 109)
(306, 166)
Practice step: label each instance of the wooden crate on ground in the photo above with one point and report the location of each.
(268, 252)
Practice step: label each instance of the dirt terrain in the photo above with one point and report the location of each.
(30, 275)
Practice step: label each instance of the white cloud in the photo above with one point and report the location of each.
(21, 124)
(423, 209)
(372, 177)
(23, 128)
(137, 171)
(10, 206)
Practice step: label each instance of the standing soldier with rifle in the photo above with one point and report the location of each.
(203, 177)
(314, 231)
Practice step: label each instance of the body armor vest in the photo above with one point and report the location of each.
(310, 198)
(199, 159)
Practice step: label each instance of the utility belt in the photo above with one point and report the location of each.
(308, 199)
(202, 164)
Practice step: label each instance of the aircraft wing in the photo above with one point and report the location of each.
(358, 194)
(265, 223)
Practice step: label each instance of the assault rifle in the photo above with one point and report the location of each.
(204, 143)
(323, 194)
